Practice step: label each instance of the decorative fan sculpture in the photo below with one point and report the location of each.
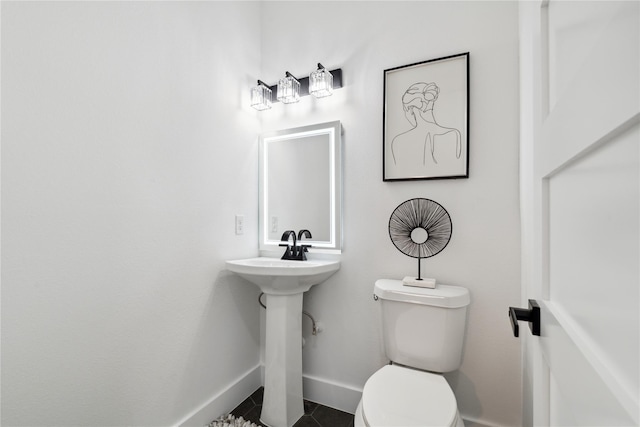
(420, 228)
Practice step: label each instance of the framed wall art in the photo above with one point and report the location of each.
(426, 120)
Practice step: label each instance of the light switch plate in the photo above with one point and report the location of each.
(239, 224)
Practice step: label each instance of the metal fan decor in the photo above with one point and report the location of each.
(420, 228)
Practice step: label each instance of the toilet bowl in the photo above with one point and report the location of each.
(422, 334)
(404, 397)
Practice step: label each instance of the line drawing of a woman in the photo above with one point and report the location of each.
(418, 102)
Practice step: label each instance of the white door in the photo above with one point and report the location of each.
(580, 182)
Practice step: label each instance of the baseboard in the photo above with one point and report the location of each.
(330, 393)
(320, 390)
(223, 402)
(468, 422)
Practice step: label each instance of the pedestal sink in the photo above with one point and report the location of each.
(283, 282)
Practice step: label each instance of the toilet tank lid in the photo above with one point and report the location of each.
(441, 296)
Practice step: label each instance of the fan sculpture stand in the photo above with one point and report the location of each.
(419, 236)
(420, 228)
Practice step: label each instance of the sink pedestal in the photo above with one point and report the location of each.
(283, 282)
(282, 404)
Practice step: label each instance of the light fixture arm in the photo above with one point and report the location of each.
(288, 74)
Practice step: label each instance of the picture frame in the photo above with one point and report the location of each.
(426, 120)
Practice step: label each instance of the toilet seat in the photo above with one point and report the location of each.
(400, 396)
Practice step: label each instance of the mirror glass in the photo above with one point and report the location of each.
(300, 182)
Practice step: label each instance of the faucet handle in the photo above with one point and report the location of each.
(302, 252)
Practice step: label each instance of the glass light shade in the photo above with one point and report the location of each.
(261, 97)
(288, 90)
(321, 83)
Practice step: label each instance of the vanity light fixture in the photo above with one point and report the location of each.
(261, 96)
(288, 89)
(321, 82)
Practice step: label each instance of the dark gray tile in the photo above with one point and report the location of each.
(326, 417)
(315, 415)
(254, 415)
(309, 407)
(258, 396)
(244, 407)
(307, 421)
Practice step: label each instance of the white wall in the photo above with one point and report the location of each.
(483, 255)
(127, 148)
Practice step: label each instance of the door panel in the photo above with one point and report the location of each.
(593, 209)
(580, 179)
(578, 395)
(573, 28)
(602, 94)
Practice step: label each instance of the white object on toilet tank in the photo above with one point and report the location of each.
(419, 283)
(423, 328)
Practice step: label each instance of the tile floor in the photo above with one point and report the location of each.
(315, 415)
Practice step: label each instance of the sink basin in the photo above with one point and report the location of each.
(281, 277)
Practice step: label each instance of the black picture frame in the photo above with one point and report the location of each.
(426, 120)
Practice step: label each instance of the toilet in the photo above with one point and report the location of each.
(423, 335)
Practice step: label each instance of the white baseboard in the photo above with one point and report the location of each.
(330, 393)
(320, 390)
(476, 423)
(223, 402)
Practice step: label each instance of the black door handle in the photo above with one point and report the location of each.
(532, 315)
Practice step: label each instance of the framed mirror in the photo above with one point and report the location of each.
(300, 186)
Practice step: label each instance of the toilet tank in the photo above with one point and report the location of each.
(421, 327)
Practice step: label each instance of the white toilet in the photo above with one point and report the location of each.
(423, 333)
